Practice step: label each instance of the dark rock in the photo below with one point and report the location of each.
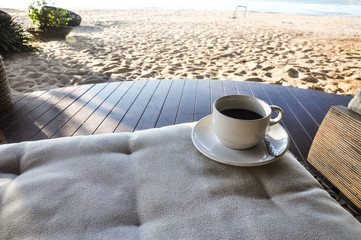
(75, 18)
(51, 34)
(4, 15)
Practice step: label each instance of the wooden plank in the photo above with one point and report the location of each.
(257, 91)
(152, 111)
(76, 120)
(203, 100)
(132, 116)
(322, 103)
(243, 88)
(25, 132)
(290, 121)
(308, 123)
(26, 110)
(345, 100)
(337, 99)
(22, 130)
(303, 127)
(217, 90)
(331, 99)
(111, 122)
(93, 122)
(230, 88)
(169, 111)
(306, 106)
(18, 97)
(272, 97)
(11, 112)
(187, 103)
(311, 102)
(53, 119)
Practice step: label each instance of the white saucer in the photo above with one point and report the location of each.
(205, 140)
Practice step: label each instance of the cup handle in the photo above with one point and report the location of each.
(279, 117)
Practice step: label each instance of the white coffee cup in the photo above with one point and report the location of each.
(243, 133)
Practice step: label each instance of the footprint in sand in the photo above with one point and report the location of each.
(34, 75)
(24, 84)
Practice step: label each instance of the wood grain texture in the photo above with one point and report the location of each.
(118, 112)
(94, 121)
(168, 114)
(136, 105)
(187, 103)
(137, 108)
(336, 151)
(203, 100)
(150, 115)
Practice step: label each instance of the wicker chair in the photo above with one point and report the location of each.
(6, 99)
(336, 152)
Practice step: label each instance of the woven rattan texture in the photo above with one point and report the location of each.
(336, 151)
(5, 95)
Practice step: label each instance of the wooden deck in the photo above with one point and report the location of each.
(136, 105)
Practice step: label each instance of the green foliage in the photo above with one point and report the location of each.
(47, 17)
(351, 51)
(13, 38)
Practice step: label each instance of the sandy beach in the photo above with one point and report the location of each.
(322, 53)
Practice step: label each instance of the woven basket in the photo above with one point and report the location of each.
(6, 99)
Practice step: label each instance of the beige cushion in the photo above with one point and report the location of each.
(154, 184)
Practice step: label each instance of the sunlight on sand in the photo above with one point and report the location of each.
(320, 53)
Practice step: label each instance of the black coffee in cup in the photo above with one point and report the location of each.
(241, 114)
(241, 122)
